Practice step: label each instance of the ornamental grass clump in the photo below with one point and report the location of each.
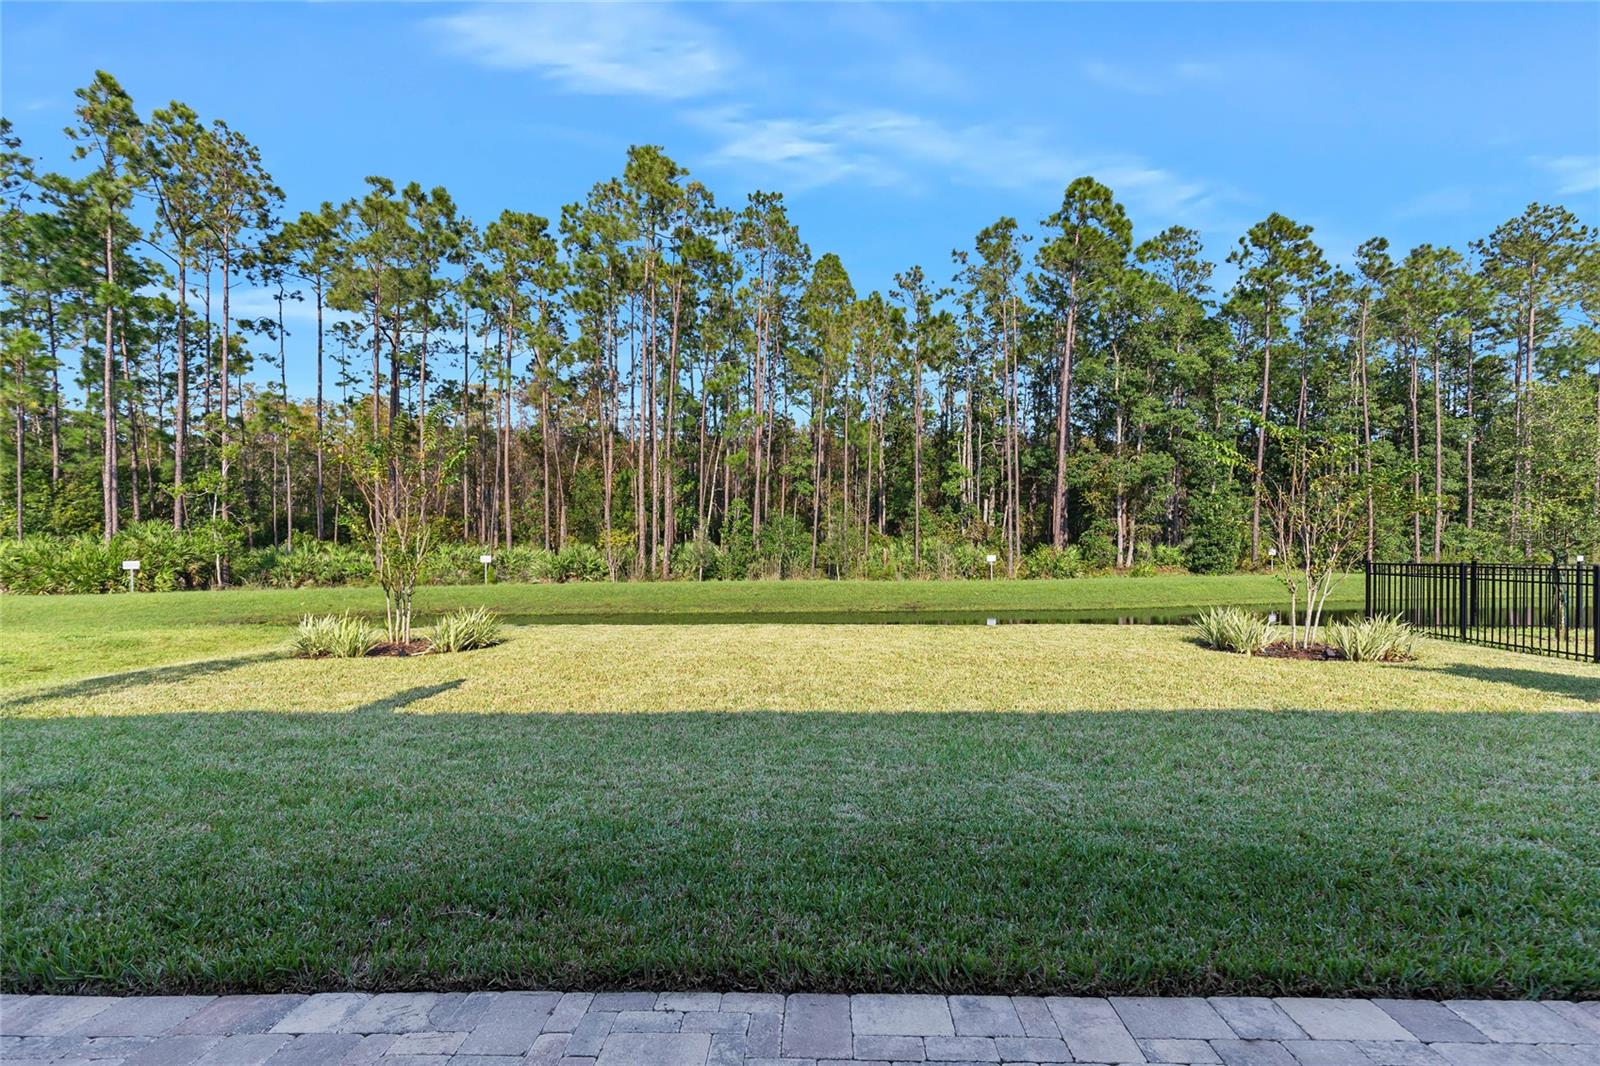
(1380, 639)
(332, 636)
(1233, 629)
(466, 630)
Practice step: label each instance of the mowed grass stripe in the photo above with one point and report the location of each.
(629, 668)
(1139, 852)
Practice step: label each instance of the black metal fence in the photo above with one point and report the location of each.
(1544, 609)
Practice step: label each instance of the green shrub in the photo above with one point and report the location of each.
(1047, 562)
(1098, 551)
(334, 636)
(1169, 556)
(695, 560)
(1215, 537)
(466, 630)
(1143, 569)
(1233, 629)
(1380, 639)
(580, 562)
(43, 565)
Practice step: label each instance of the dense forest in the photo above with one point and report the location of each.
(684, 387)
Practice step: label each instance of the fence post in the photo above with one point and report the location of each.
(1472, 606)
(1366, 607)
(1461, 600)
(1594, 614)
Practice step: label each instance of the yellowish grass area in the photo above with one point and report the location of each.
(620, 668)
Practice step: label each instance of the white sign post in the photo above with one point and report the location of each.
(991, 567)
(485, 559)
(132, 567)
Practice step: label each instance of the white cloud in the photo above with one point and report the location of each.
(1153, 79)
(885, 147)
(615, 49)
(1573, 173)
(1450, 200)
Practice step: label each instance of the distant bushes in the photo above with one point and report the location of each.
(208, 554)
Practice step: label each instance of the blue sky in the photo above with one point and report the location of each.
(895, 132)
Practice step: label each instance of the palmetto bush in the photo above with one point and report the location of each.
(1380, 639)
(1046, 561)
(1233, 629)
(467, 629)
(334, 636)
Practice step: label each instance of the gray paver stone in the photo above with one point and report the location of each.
(765, 1035)
(1583, 1015)
(985, 1016)
(416, 1060)
(233, 1015)
(1430, 1022)
(1493, 1055)
(1034, 1014)
(1519, 1021)
(1163, 1049)
(620, 1001)
(647, 1021)
(728, 1049)
(1328, 1053)
(391, 1012)
(1399, 1053)
(171, 1051)
(246, 1049)
(1572, 1054)
(753, 1002)
(548, 1049)
(687, 1001)
(510, 1024)
(1342, 1019)
(655, 1049)
(569, 1012)
(487, 1060)
(901, 1015)
(1032, 1049)
(591, 1033)
(890, 1048)
(714, 1021)
(52, 1015)
(369, 1049)
(431, 1043)
(315, 1049)
(960, 1049)
(817, 1026)
(1253, 1053)
(1174, 1017)
(321, 1013)
(1256, 1018)
(144, 1016)
(1093, 1030)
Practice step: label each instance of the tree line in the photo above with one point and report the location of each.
(649, 371)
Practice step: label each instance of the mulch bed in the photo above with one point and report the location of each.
(419, 646)
(1282, 649)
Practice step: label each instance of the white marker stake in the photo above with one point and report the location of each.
(132, 567)
(486, 560)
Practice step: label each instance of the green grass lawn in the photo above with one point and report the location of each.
(1413, 854)
(186, 809)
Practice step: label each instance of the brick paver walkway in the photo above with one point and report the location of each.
(747, 1029)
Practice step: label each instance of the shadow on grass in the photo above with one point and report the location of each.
(90, 687)
(1582, 689)
(407, 697)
